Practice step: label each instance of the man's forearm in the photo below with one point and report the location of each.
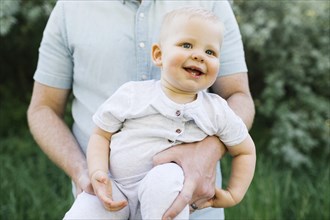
(56, 140)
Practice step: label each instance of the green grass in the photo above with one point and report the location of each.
(31, 186)
(281, 193)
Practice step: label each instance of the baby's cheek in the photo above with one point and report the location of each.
(215, 67)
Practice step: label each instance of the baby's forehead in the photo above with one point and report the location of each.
(174, 20)
(187, 14)
(182, 22)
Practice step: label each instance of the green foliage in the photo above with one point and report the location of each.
(7, 11)
(22, 24)
(287, 49)
(31, 11)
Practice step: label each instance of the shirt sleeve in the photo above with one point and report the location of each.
(55, 61)
(113, 112)
(232, 57)
(233, 131)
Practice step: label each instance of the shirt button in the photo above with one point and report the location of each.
(177, 113)
(142, 45)
(144, 77)
(178, 131)
(141, 15)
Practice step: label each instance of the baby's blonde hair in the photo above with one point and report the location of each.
(189, 12)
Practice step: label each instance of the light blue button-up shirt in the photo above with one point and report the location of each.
(93, 47)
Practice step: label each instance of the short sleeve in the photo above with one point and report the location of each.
(113, 112)
(55, 61)
(233, 130)
(232, 58)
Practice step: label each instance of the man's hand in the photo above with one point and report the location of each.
(84, 184)
(198, 161)
(103, 189)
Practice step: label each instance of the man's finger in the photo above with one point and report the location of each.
(207, 204)
(84, 184)
(115, 205)
(181, 201)
(165, 156)
(89, 189)
(201, 203)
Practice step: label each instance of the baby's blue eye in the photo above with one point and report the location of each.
(187, 45)
(209, 52)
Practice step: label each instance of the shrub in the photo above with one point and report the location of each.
(21, 28)
(287, 49)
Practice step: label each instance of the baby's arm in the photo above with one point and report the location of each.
(242, 171)
(98, 153)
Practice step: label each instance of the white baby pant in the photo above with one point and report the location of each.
(147, 199)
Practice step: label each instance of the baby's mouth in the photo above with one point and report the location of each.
(195, 71)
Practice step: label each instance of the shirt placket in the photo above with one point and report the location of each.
(178, 126)
(141, 41)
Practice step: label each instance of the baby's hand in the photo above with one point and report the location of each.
(103, 189)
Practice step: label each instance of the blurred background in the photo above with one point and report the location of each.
(287, 45)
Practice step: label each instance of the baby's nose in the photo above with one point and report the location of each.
(198, 57)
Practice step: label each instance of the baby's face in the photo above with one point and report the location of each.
(190, 52)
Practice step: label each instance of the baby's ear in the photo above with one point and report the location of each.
(156, 54)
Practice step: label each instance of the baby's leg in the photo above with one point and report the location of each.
(87, 206)
(158, 190)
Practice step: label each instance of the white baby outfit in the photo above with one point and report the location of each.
(145, 122)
